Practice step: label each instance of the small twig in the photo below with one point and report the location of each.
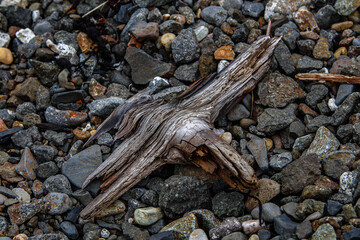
(268, 29)
(94, 9)
(328, 77)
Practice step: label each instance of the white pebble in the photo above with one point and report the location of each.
(36, 15)
(4, 40)
(332, 105)
(25, 35)
(105, 233)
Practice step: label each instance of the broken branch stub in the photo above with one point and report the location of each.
(155, 133)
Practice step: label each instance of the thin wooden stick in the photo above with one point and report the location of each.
(328, 77)
(94, 9)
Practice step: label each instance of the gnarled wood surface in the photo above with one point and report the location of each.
(155, 133)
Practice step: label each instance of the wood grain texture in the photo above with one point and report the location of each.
(155, 133)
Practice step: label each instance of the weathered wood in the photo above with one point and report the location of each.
(155, 133)
(328, 77)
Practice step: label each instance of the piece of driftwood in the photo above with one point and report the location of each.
(155, 133)
(328, 77)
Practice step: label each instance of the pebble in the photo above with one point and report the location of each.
(58, 183)
(325, 231)
(284, 225)
(257, 147)
(27, 165)
(187, 72)
(348, 183)
(228, 204)
(274, 8)
(198, 234)
(59, 203)
(69, 229)
(167, 39)
(267, 190)
(117, 207)
(21, 212)
(185, 47)
(283, 57)
(229, 225)
(326, 16)
(274, 119)
(269, 212)
(342, 25)
(224, 53)
(25, 35)
(279, 161)
(324, 143)
(206, 219)
(149, 68)
(321, 49)
(23, 196)
(321, 193)
(182, 227)
(4, 40)
(145, 31)
(238, 112)
(64, 118)
(147, 216)
(306, 20)
(304, 230)
(6, 56)
(214, 15)
(252, 9)
(300, 173)
(201, 32)
(346, 7)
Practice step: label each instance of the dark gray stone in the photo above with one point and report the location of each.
(104, 107)
(43, 153)
(151, 3)
(58, 202)
(56, 138)
(168, 235)
(58, 184)
(170, 26)
(7, 192)
(187, 72)
(69, 229)
(257, 147)
(121, 15)
(343, 112)
(134, 232)
(284, 225)
(290, 34)
(252, 9)
(306, 46)
(4, 224)
(46, 169)
(7, 116)
(334, 168)
(214, 15)
(81, 165)
(185, 47)
(240, 34)
(306, 64)
(274, 119)
(181, 194)
(228, 204)
(264, 234)
(317, 93)
(333, 207)
(19, 16)
(326, 16)
(238, 112)
(284, 58)
(46, 72)
(23, 109)
(344, 90)
(64, 118)
(43, 27)
(279, 161)
(68, 97)
(144, 67)
(269, 212)
(137, 16)
(352, 234)
(304, 230)
(105, 139)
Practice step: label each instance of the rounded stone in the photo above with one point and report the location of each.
(147, 216)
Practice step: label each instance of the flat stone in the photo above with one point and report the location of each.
(82, 164)
(182, 227)
(300, 173)
(273, 119)
(27, 91)
(284, 225)
(214, 15)
(27, 165)
(306, 64)
(267, 190)
(23, 196)
(257, 147)
(321, 193)
(145, 31)
(269, 212)
(324, 143)
(333, 207)
(65, 118)
(7, 192)
(279, 161)
(344, 90)
(150, 67)
(277, 90)
(104, 107)
(139, 15)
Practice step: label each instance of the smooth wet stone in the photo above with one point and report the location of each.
(65, 118)
(82, 164)
(147, 216)
(324, 143)
(198, 234)
(269, 212)
(149, 67)
(58, 203)
(104, 107)
(67, 97)
(284, 225)
(27, 165)
(117, 207)
(201, 32)
(257, 147)
(185, 47)
(344, 90)
(274, 119)
(69, 229)
(324, 232)
(267, 190)
(300, 173)
(182, 227)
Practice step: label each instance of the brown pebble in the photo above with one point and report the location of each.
(12, 31)
(178, 17)
(340, 51)
(277, 141)
(6, 56)
(306, 20)
(309, 35)
(224, 53)
(267, 189)
(321, 49)
(3, 126)
(342, 26)
(226, 28)
(346, 42)
(96, 89)
(85, 43)
(82, 135)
